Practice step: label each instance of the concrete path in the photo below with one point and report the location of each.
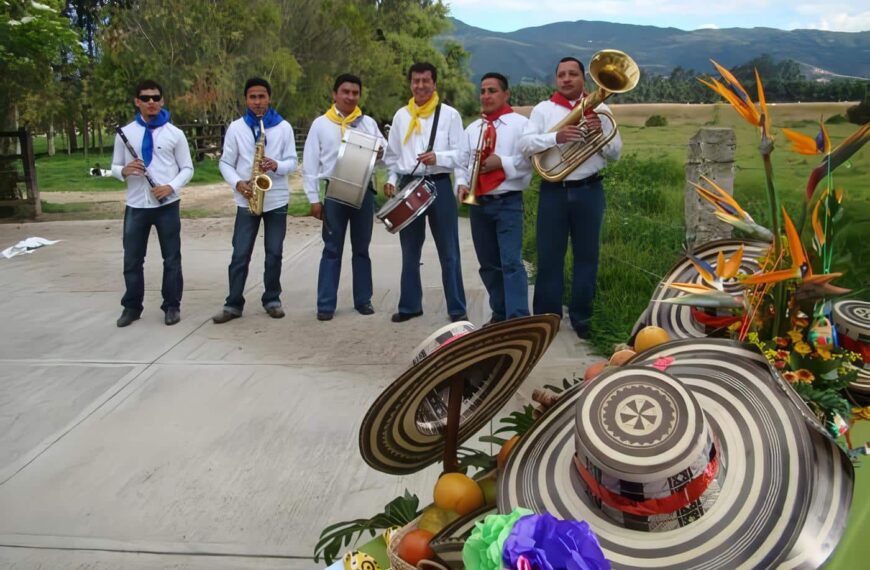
(199, 445)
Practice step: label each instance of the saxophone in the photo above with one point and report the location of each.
(260, 182)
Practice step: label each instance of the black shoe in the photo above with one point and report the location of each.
(402, 317)
(224, 316)
(172, 316)
(492, 321)
(583, 333)
(462, 317)
(127, 317)
(275, 312)
(366, 309)
(324, 316)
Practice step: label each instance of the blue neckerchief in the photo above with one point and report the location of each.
(270, 119)
(148, 140)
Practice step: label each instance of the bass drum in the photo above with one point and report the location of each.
(407, 205)
(353, 170)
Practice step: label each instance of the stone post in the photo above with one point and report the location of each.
(711, 154)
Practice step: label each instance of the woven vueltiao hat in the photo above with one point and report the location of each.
(852, 319)
(677, 320)
(404, 428)
(695, 455)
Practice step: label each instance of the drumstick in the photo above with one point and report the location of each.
(132, 151)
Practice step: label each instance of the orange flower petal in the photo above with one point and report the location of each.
(801, 143)
(763, 103)
(798, 254)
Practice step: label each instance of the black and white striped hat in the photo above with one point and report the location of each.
(677, 320)
(852, 319)
(702, 461)
(403, 430)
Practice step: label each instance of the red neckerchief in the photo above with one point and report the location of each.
(489, 181)
(563, 101)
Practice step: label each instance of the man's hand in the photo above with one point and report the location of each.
(268, 165)
(389, 190)
(316, 211)
(462, 192)
(492, 162)
(135, 168)
(243, 187)
(593, 121)
(568, 134)
(380, 153)
(427, 158)
(161, 192)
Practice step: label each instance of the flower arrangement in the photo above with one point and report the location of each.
(784, 308)
(525, 541)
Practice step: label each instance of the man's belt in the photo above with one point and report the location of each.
(578, 183)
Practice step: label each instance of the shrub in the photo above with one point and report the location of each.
(860, 113)
(836, 120)
(656, 121)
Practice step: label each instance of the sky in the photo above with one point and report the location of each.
(510, 15)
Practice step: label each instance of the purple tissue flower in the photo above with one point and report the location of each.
(548, 543)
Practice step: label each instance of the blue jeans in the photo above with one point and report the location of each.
(576, 212)
(137, 227)
(337, 217)
(497, 231)
(442, 215)
(244, 236)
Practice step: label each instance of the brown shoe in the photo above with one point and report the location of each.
(275, 312)
(224, 316)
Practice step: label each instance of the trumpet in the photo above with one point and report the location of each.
(260, 181)
(614, 72)
(471, 199)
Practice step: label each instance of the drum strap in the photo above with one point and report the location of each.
(432, 134)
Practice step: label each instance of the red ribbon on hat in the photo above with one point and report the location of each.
(713, 321)
(686, 495)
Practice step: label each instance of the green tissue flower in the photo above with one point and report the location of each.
(482, 550)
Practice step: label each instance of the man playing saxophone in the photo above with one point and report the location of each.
(490, 152)
(239, 169)
(573, 207)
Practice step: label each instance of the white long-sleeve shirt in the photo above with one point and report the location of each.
(321, 150)
(536, 137)
(517, 167)
(402, 158)
(170, 163)
(238, 157)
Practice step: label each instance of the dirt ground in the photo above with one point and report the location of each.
(201, 201)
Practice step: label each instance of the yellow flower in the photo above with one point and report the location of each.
(824, 352)
(802, 348)
(790, 377)
(795, 335)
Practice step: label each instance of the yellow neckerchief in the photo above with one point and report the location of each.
(418, 113)
(343, 122)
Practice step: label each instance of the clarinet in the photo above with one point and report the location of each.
(132, 151)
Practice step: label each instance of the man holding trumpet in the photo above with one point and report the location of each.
(494, 175)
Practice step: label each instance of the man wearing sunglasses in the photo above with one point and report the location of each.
(154, 176)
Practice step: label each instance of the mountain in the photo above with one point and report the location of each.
(531, 54)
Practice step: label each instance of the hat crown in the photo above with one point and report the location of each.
(643, 445)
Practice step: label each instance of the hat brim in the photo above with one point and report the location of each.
(676, 319)
(448, 543)
(786, 489)
(498, 357)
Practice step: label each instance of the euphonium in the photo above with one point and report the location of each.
(471, 199)
(614, 72)
(260, 182)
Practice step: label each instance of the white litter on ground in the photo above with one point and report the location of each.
(26, 246)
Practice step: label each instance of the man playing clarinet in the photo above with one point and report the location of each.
(156, 165)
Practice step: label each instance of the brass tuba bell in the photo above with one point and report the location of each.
(614, 72)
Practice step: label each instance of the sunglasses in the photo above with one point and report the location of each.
(147, 98)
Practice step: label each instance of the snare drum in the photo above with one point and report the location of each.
(407, 205)
(353, 170)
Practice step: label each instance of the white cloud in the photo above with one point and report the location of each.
(708, 27)
(844, 22)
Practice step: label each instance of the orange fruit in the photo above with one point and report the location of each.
(649, 337)
(458, 492)
(620, 357)
(594, 370)
(414, 546)
(505, 451)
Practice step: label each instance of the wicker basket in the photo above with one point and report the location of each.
(397, 563)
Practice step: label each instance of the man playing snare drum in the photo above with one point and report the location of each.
(408, 151)
(318, 161)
